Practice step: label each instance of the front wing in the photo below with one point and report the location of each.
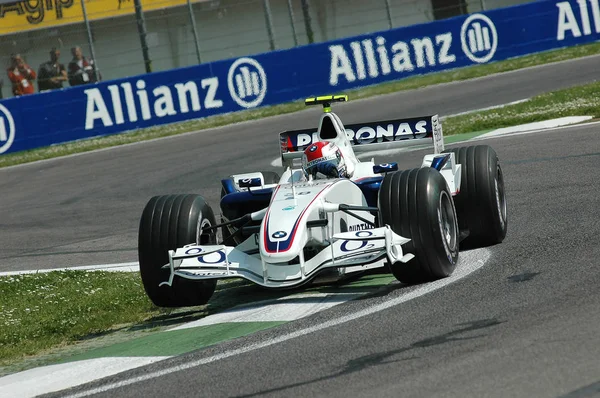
(354, 251)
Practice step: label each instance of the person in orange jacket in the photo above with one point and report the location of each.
(21, 76)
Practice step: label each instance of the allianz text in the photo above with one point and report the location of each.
(369, 59)
(159, 102)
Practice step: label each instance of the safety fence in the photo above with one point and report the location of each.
(129, 37)
(275, 77)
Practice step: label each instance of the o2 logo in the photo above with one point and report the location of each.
(354, 245)
(219, 255)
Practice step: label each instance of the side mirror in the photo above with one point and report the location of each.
(385, 167)
(440, 161)
(250, 182)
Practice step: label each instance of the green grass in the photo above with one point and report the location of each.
(386, 88)
(47, 316)
(39, 311)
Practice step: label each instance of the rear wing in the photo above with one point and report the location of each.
(372, 136)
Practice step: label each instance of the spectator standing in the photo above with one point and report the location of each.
(21, 76)
(52, 74)
(81, 70)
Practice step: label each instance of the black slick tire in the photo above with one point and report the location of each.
(170, 222)
(417, 205)
(481, 202)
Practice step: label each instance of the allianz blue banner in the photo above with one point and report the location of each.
(281, 76)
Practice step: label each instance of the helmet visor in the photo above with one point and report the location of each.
(327, 166)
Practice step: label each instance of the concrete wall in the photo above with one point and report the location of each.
(226, 28)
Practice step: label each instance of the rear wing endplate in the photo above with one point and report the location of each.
(372, 136)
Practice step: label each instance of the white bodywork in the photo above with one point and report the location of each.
(284, 234)
(303, 231)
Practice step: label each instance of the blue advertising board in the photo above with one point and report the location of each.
(281, 76)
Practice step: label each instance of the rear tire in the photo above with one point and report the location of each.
(417, 204)
(170, 222)
(481, 203)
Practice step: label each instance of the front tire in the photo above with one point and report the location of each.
(170, 222)
(417, 204)
(481, 203)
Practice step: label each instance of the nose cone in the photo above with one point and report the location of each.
(283, 230)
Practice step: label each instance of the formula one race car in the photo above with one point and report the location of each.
(328, 214)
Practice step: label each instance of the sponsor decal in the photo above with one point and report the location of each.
(279, 234)
(361, 227)
(289, 208)
(19, 16)
(218, 255)
(479, 38)
(194, 250)
(359, 134)
(161, 101)
(247, 82)
(333, 156)
(7, 129)
(349, 245)
(568, 23)
(438, 135)
(211, 273)
(312, 184)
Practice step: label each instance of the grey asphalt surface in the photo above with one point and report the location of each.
(524, 325)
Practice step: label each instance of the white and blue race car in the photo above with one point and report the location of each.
(285, 231)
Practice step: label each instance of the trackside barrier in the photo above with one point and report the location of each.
(272, 78)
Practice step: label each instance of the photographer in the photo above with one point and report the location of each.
(21, 76)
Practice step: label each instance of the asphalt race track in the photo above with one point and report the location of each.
(525, 325)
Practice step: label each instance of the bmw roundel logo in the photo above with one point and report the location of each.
(279, 234)
(313, 148)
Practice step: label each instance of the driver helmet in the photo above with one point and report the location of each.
(324, 158)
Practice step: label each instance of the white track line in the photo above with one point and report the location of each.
(470, 262)
(502, 133)
(284, 309)
(442, 118)
(122, 267)
(38, 381)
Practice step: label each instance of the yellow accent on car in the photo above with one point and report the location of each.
(326, 101)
